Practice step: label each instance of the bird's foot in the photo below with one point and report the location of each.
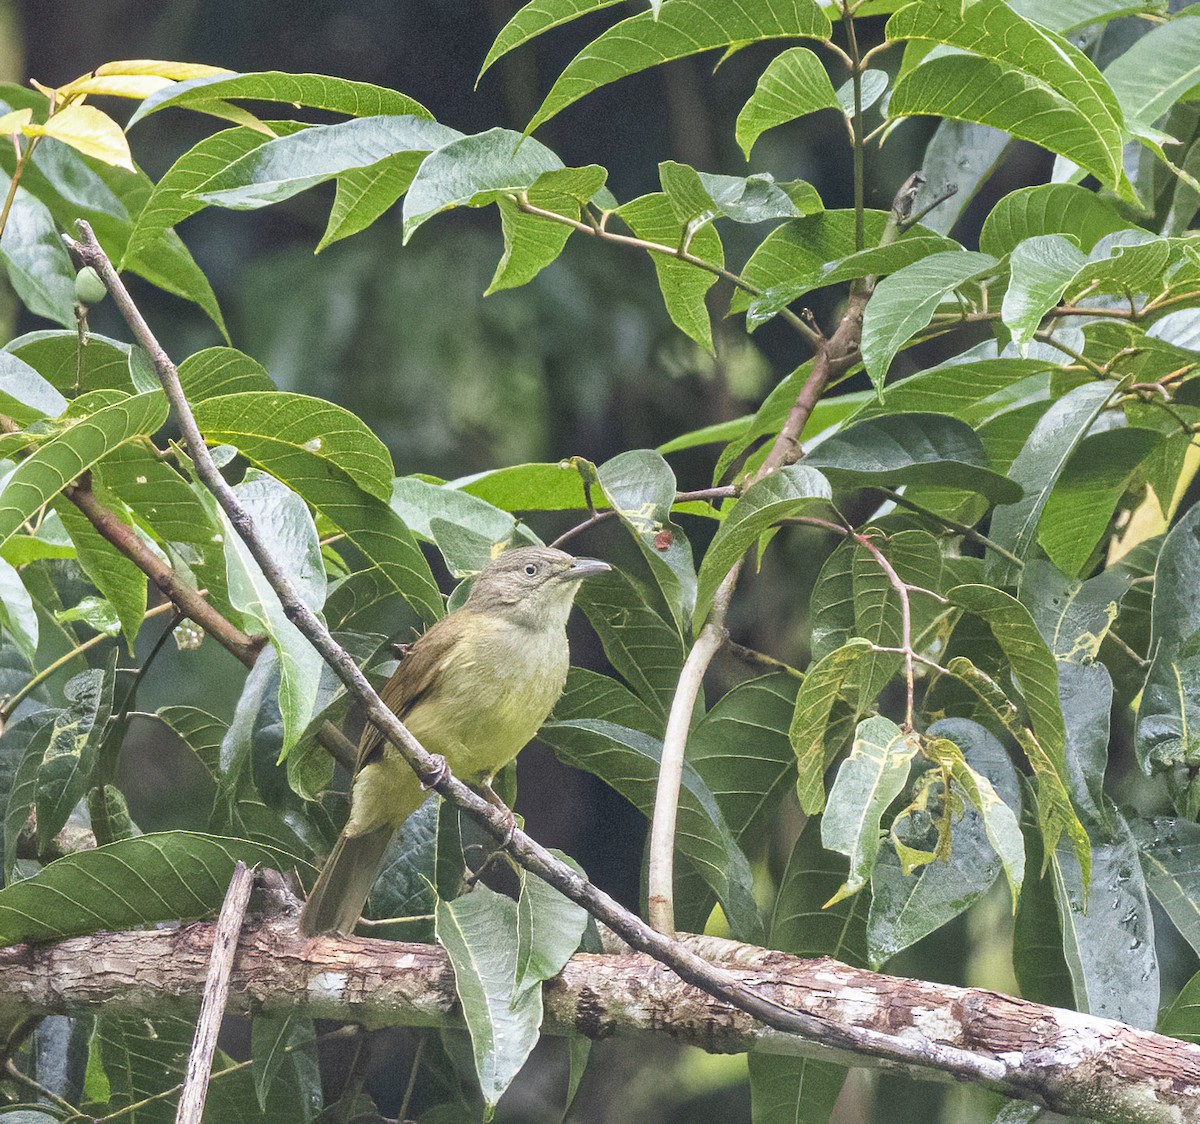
(437, 772)
(510, 817)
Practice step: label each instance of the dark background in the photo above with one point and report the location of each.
(582, 361)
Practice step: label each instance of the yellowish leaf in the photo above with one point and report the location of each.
(175, 71)
(88, 130)
(137, 86)
(15, 121)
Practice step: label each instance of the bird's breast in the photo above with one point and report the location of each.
(496, 691)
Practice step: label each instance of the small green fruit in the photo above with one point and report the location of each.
(89, 289)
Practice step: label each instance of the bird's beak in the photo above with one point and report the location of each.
(586, 568)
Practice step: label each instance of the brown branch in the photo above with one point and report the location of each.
(1072, 1063)
(216, 989)
(186, 599)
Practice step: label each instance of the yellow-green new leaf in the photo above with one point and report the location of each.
(90, 131)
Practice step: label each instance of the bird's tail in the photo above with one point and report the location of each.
(337, 900)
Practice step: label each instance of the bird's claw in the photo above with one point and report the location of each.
(437, 772)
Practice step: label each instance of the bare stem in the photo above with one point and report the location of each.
(216, 990)
(661, 866)
(906, 645)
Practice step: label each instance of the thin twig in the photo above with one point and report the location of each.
(724, 491)
(906, 645)
(216, 990)
(752, 655)
(22, 1078)
(600, 231)
(433, 771)
(963, 529)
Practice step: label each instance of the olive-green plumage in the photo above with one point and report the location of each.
(475, 688)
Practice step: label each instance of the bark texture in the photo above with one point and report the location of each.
(1075, 1064)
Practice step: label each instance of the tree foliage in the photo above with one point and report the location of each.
(1010, 548)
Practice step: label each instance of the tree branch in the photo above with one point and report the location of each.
(186, 599)
(1072, 1063)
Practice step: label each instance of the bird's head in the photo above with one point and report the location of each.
(532, 585)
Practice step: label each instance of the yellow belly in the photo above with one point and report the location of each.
(489, 702)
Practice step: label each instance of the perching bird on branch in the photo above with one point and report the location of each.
(475, 688)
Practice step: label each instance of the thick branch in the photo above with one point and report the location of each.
(1074, 1064)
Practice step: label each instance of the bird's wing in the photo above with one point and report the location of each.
(411, 680)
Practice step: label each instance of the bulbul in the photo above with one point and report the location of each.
(474, 688)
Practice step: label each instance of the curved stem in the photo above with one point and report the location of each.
(661, 867)
(856, 125)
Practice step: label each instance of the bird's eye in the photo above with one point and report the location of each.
(530, 569)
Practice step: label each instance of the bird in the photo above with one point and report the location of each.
(474, 688)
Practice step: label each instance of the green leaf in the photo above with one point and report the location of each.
(1037, 956)
(1019, 77)
(1170, 858)
(1168, 716)
(171, 201)
(283, 520)
(792, 258)
(741, 750)
(317, 91)
(172, 875)
(824, 683)
(474, 171)
(1033, 667)
(530, 243)
(466, 529)
(480, 934)
(1072, 616)
(651, 217)
(1037, 468)
(530, 487)
(628, 760)
(786, 1090)
(57, 357)
(910, 449)
(17, 616)
(169, 264)
(296, 426)
(283, 1050)
(117, 579)
(35, 259)
(905, 302)
(1048, 208)
(24, 395)
(46, 472)
(284, 167)
(534, 19)
(784, 493)
(1079, 509)
(678, 29)
(65, 771)
(549, 929)
(1041, 269)
(1182, 1018)
(1108, 936)
(283, 439)
(1160, 69)
(641, 488)
(699, 197)
(793, 85)
(871, 777)
(905, 908)
(642, 647)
